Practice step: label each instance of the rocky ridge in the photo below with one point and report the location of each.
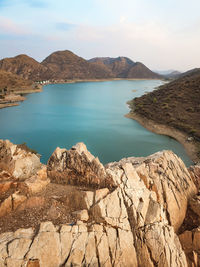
(62, 66)
(123, 67)
(135, 212)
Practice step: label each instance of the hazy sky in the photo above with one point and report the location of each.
(163, 34)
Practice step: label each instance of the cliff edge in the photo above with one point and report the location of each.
(76, 212)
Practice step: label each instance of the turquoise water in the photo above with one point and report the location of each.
(89, 112)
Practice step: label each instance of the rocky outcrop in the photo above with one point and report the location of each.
(77, 166)
(21, 175)
(128, 213)
(195, 174)
(18, 160)
(190, 241)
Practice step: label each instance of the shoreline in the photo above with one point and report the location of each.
(101, 80)
(189, 146)
(17, 97)
(18, 94)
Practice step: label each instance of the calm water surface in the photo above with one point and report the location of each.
(89, 112)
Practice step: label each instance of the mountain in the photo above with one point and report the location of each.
(190, 73)
(123, 67)
(118, 66)
(140, 71)
(165, 72)
(26, 67)
(67, 65)
(169, 74)
(175, 104)
(13, 82)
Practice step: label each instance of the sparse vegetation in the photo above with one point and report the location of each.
(176, 104)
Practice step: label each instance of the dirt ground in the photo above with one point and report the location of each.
(56, 203)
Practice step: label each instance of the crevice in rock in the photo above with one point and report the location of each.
(97, 252)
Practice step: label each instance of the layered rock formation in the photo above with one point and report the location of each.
(128, 213)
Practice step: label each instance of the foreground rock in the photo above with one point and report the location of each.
(129, 213)
(77, 166)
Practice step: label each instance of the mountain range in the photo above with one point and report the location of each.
(65, 65)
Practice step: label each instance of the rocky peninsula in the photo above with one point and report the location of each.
(174, 110)
(13, 88)
(76, 212)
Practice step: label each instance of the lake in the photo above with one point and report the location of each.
(89, 112)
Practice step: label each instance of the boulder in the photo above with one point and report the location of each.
(18, 160)
(164, 175)
(77, 166)
(190, 241)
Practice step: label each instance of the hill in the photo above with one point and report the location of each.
(67, 65)
(118, 66)
(13, 82)
(26, 67)
(123, 67)
(175, 104)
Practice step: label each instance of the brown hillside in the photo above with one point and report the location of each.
(119, 66)
(123, 67)
(139, 70)
(13, 81)
(67, 65)
(176, 104)
(26, 67)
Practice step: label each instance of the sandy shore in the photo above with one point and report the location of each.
(181, 137)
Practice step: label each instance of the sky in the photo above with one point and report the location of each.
(163, 34)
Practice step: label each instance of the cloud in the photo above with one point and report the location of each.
(154, 44)
(122, 19)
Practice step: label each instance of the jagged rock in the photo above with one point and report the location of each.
(195, 173)
(17, 161)
(190, 241)
(194, 204)
(37, 183)
(101, 193)
(77, 166)
(158, 245)
(112, 211)
(166, 175)
(131, 221)
(33, 263)
(6, 206)
(11, 203)
(81, 215)
(46, 246)
(32, 202)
